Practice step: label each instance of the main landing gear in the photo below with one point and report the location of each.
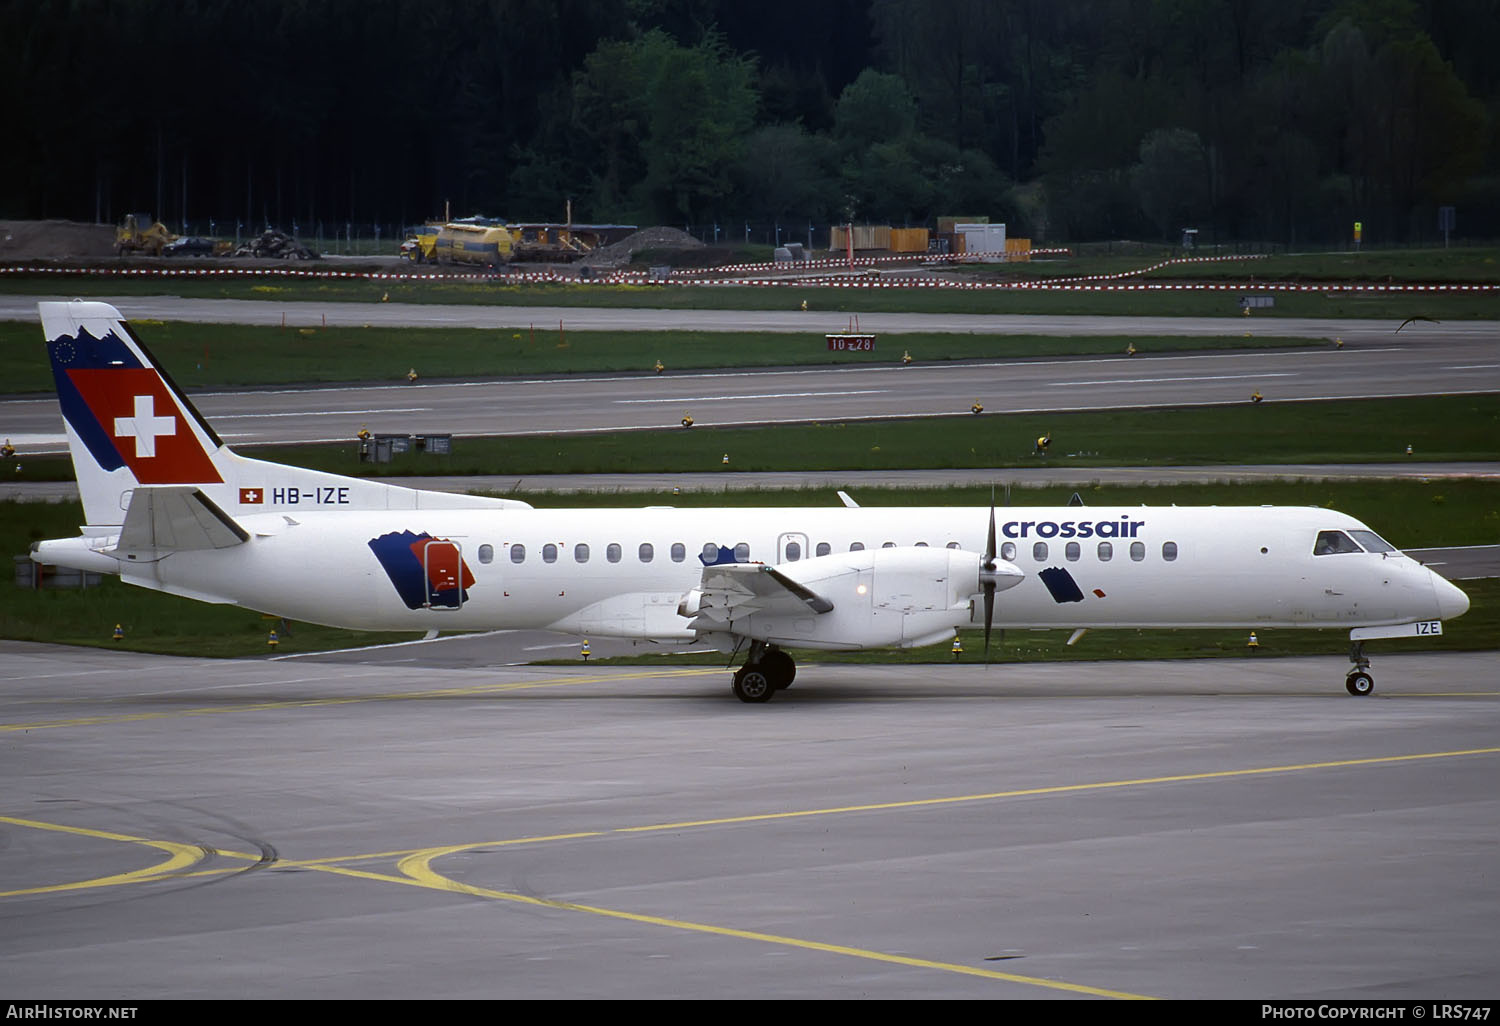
(767, 671)
(1359, 682)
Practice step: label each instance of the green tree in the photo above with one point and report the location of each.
(1171, 179)
(874, 108)
(1091, 146)
(661, 126)
(701, 107)
(787, 171)
(1404, 132)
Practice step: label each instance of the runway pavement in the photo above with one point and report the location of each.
(567, 405)
(177, 828)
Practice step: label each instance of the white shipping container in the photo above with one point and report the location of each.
(982, 238)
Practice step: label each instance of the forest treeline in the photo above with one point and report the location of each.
(1275, 120)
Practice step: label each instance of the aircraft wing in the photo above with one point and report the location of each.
(730, 591)
(175, 519)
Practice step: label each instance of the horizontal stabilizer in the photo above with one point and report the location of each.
(176, 519)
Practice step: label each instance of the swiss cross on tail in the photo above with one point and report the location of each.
(140, 418)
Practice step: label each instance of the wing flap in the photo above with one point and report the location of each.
(730, 591)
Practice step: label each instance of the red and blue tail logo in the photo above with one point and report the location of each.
(126, 414)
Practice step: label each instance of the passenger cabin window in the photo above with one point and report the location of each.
(647, 552)
(710, 551)
(1332, 543)
(1137, 551)
(1039, 551)
(922, 545)
(1106, 552)
(793, 551)
(742, 552)
(612, 552)
(580, 553)
(952, 545)
(1168, 551)
(518, 553)
(856, 546)
(486, 553)
(823, 549)
(888, 545)
(1071, 551)
(679, 552)
(549, 553)
(1373, 542)
(1008, 552)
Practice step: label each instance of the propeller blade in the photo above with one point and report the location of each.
(989, 615)
(989, 545)
(988, 583)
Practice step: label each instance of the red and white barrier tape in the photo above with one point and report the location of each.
(1089, 283)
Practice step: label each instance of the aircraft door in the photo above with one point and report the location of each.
(792, 547)
(446, 575)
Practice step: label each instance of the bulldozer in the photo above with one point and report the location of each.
(140, 234)
(420, 246)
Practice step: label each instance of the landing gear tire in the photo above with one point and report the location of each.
(1359, 683)
(780, 667)
(753, 684)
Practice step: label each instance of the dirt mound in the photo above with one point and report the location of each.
(54, 240)
(621, 253)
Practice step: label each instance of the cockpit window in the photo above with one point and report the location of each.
(1331, 542)
(1372, 541)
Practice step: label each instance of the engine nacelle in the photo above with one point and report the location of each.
(896, 597)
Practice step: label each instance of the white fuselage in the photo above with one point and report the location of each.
(625, 572)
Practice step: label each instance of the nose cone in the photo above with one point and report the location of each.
(1451, 600)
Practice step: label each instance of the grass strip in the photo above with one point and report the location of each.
(1344, 431)
(1438, 428)
(201, 356)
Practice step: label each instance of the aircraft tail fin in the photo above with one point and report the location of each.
(130, 426)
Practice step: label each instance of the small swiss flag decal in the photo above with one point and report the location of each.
(252, 496)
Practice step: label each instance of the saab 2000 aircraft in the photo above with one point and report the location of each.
(170, 507)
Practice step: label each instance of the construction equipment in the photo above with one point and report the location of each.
(140, 234)
(491, 242)
(556, 243)
(473, 241)
(276, 245)
(420, 246)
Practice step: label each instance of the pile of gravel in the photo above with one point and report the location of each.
(621, 253)
(54, 240)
